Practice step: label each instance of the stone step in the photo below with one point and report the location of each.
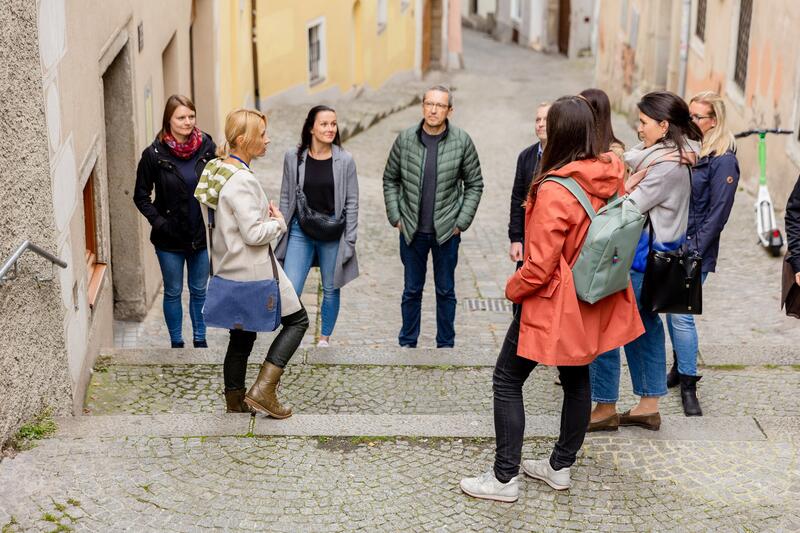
(412, 390)
(346, 355)
(291, 484)
(711, 355)
(732, 428)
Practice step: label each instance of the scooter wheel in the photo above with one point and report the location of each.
(775, 251)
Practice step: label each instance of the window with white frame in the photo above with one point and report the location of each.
(383, 14)
(316, 52)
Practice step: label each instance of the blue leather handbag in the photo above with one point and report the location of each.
(245, 305)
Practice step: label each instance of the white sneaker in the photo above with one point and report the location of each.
(541, 469)
(323, 344)
(487, 487)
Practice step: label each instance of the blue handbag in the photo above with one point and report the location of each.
(245, 305)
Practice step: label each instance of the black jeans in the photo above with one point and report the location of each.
(510, 374)
(293, 327)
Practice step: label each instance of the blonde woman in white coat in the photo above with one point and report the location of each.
(246, 222)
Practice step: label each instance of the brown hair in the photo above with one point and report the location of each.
(241, 122)
(173, 103)
(598, 99)
(570, 136)
(666, 106)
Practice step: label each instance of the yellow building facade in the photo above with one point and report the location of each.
(332, 46)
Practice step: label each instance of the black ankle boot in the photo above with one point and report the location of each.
(691, 405)
(672, 375)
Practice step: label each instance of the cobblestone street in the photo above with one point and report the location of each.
(381, 436)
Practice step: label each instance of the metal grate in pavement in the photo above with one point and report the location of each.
(498, 305)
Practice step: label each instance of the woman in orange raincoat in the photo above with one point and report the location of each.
(553, 326)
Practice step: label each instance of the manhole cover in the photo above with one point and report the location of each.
(499, 305)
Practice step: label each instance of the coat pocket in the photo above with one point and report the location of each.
(548, 290)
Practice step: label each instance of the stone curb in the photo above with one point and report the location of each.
(749, 354)
(396, 356)
(451, 426)
(711, 355)
(389, 356)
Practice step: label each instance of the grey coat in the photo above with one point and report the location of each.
(345, 183)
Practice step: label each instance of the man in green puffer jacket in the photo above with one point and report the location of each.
(432, 186)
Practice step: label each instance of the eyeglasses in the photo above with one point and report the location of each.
(695, 117)
(434, 105)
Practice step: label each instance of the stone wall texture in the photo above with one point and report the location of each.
(33, 367)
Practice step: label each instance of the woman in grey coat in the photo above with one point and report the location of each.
(327, 175)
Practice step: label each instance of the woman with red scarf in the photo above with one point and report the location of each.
(172, 165)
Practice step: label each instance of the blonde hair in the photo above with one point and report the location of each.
(241, 123)
(718, 139)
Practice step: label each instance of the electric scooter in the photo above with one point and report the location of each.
(769, 235)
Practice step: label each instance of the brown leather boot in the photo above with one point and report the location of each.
(234, 401)
(262, 395)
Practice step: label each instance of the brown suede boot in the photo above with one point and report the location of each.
(234, 401)
(262, 395)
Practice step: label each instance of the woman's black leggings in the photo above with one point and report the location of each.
(510, 374)
(293, 327)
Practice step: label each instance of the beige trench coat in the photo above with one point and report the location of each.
(242, 234)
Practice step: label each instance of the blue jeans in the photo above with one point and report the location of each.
(415, 261)
(300, 252)
(172, 272)
(683, 334)
(647, 359)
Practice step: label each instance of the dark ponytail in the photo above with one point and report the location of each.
(664, 105)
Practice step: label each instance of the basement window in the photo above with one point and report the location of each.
(94, 268)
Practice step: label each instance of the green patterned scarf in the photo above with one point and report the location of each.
(214, 177)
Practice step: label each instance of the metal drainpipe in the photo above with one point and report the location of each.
(686, 16)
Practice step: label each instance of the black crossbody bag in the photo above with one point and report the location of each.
(673, 280)
(316, 225)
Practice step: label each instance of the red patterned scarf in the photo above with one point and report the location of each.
(184, 150)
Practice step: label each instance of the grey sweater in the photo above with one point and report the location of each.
(665, 191)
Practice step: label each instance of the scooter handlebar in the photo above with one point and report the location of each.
(747, 133)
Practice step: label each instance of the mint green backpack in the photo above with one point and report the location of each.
(605, 260)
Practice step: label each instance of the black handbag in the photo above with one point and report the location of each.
(673, 280)
(316, 225)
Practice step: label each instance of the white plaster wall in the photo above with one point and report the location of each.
(65, 186)
(536, 25)
(581, 27)
(32, 350)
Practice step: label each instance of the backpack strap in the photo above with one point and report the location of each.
(577, 191)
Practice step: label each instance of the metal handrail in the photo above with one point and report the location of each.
(11, 262)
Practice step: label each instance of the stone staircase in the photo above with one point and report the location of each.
(378, 441)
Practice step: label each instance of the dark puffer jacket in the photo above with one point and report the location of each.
(793, 227)
(714, 182)
(175, 227)
(459, 183)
